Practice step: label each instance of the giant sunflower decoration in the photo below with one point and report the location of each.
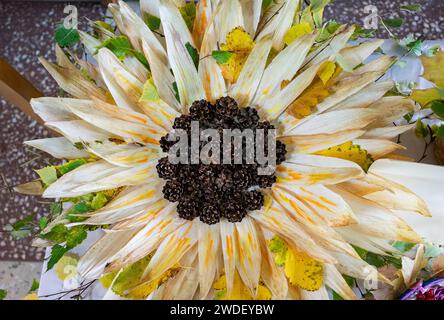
(221, 230)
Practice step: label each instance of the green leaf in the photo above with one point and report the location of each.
(403, 246)
(22, 228)
(99, 201)
(393, 23)
(266, 4)
(412, 44)
(57, 234)
(149, 92)
(336, 296)
(440, 132)
(104, 25)
(421, 129)
(20, 234)
(432, 250)
(35, 285)
(360, 32)
(66, 37)
(56, 208)
(327, 32)
(221, 57)
(78, 209)
(188, 12)
(43, 223)
(70, 165)
(25, 222)
(130, 276)
(412, 7)
(57, 253)
(176, 91)
(193, 54)
(350, 280)
(375, 260)
(75, 236)
(432, 51)
(120, 46)
(3, 294)
(141, 57)
(437, 107)
(48, 175)
(361, 252)
(151, 21)
(408, 117)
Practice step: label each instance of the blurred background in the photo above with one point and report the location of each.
(27, 32)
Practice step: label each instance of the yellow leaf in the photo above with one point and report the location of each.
(433, 68)
(66, 267)
(326, 71)
(240, 44)
(144, 290)
(351, 152)
(239, 291)
(297, 31)
(305, 104)
(303, 271)
(31, 296)
(424, 97)
(308, 100)
(107, 279)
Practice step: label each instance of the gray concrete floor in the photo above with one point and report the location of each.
(16, 277)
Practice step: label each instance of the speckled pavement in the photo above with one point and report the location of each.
(16, 277)
(26, 32)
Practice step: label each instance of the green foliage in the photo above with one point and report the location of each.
(188, 12)
(278, 246)
(122, 48)
(421, 129)
(403, 246)
(70, 165)
(55, 208)
(361, 32)
(35, 285)
(130, 276)
(377, 260)
(393, 23)
(194, 54)
(66, 37)
(221, 57)
(99, 201)
(437, 107)
(22, 228)
(176, 91)
(149, 92)
(266, 4)
(327, 31)
(59, 234)
(3, 294)
(57, 252)
(75, 236)
(440, 132)
(43, 223)
(412, 45)
(48, 175)
(104, 25)
(151, 21)
(412, 7)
